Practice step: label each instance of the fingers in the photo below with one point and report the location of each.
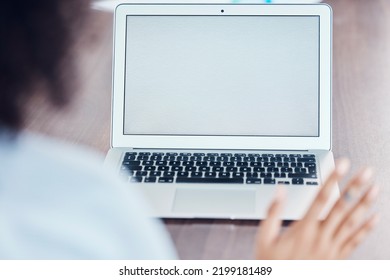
(270, 227)
(358, 236)
(322, 197)
(351, 191)
(355, 215)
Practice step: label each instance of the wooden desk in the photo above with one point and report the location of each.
(361, 120)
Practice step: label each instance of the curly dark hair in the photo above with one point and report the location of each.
(35, 43)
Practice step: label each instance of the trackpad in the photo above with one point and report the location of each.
(215, 201)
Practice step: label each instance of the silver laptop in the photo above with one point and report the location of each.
(216, 106)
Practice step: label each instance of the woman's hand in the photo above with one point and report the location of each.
(336, 237)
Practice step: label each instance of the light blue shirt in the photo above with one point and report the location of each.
(58, 202)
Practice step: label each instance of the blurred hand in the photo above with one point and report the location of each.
(336, 237)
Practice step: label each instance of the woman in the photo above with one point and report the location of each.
(57, 204)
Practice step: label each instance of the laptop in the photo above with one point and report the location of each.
(215, 106)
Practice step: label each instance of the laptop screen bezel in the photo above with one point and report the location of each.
(321, 142)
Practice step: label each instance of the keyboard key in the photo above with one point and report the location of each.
(239, 164)
(210, 159)
(190, 168)
(276, 159)
(128, 157)
(150, 180)
(169, 158)
(272, 169)
(177, 168)
(280, 155)
(204, 168)
(253, 155)
(269, 181)
(174, 163)
(165, 180)
(302, 175)
(188, 163)
(132, 162)
(136, 179)
(155, 173)
(169, 174)
(185, 154)
(240, 155)
(297, 181)
(265, 175)
(196, 174)
(199, 154)
(141, 173)
(224, 175)
(245, 169)
(231, 169)
(210, 174)
(201, 163)
(217, 169)
(195, 159)
(312, 170)
(212, 154)
(238, 174)
(284, 169)
(226, 154)
(283, 182)
(163, 168)
(306, 160)
(252, 175)
(280, 175)
(155, 158)
(267, 155)
(183, 174)
(182, 158)
(228, 164)
(258, 169)
(253, 181)
(216, 163)
(211, 180)
(150, 168)
(142, 157)
(309, 156)
(296, 164)
(134, 167)
(222, 159)
(312, 183)
(295, 155)
(299, 170)
(144, 154)
(262, 159)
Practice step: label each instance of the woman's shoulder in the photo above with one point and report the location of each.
(51, 187)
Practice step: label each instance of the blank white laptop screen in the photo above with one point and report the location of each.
(222, 75)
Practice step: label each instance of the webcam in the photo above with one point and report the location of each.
(222, 11)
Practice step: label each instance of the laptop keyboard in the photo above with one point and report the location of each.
(226, 168)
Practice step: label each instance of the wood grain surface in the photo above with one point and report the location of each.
(361, 121)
